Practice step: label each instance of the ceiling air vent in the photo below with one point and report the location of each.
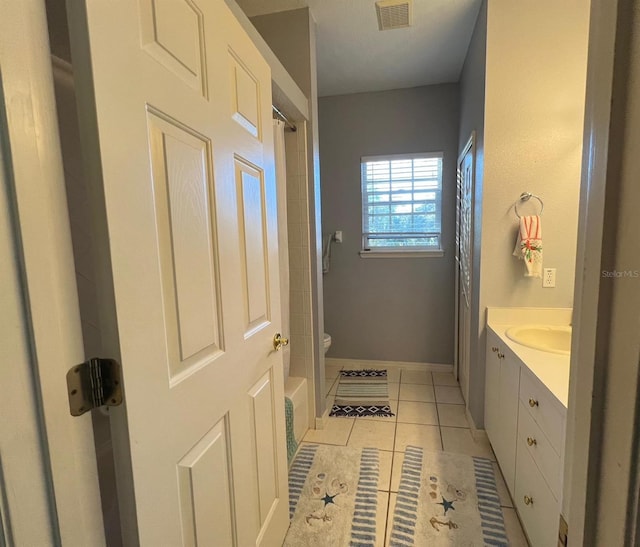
(393, 14)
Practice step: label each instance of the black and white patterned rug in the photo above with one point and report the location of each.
(362, 393)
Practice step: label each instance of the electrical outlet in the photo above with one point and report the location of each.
(549, 277)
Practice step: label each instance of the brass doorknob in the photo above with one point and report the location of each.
(528, 500)
(279, 341)
(533, 402)
(531, 441)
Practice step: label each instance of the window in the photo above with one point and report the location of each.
(401, 204)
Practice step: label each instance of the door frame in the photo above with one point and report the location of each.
(602, 440)
(42, 216)
(45, 262)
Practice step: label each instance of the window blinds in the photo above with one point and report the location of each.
(401, 201)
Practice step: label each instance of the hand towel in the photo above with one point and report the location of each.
(529, 245)
(326, 253)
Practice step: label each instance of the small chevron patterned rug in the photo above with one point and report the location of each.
(447, 500)
(362, 393)
(333, 497)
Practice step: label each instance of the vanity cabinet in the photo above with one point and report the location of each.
(501, 404)
(525, 424)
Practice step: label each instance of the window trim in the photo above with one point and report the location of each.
(400, 252)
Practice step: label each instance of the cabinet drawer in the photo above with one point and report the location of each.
(541, 451)
(540, 518)
(543, 408)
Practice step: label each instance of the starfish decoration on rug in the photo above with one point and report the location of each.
(447, 505)
(328, 499)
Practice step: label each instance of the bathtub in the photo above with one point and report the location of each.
(295, 387)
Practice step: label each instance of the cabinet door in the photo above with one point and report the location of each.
(492, 392)
(509, 387)
(538, 509)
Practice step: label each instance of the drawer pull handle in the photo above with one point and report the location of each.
(500, 355)
(494, 349)
(531, 442)
(528, 500)
(533, 402)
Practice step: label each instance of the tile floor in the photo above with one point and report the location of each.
(430, 413)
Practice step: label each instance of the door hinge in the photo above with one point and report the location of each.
(93, 384)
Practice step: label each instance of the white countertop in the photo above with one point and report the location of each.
(551, 369)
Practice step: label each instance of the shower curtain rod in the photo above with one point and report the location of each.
(287, 123)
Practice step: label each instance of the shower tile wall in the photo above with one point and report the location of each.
(299, 263)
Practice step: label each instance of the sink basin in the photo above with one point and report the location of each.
(551, 338)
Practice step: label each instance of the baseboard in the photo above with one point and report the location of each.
(402, 365)
(476, 433)
(322, 420)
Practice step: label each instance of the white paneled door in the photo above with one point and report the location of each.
(176, 108)
(464, 258)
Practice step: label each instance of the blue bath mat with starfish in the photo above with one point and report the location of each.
(333, 497)
(447, 499)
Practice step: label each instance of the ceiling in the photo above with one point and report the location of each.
(354, 56)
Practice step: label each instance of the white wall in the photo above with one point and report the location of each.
(534, 109)
(536, 57)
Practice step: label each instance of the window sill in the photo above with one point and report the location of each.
(397, 253)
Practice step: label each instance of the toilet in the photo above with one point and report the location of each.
(326, 342)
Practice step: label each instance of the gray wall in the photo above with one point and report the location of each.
(472, 91)
(287, 33)
(396, 309)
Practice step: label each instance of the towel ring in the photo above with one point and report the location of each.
(526, 196)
